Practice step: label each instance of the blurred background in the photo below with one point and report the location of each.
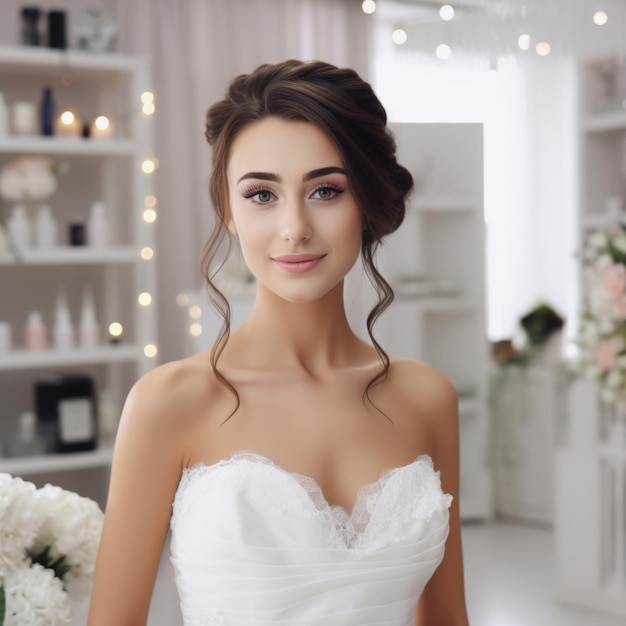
(511, 115)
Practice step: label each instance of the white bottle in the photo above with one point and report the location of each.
(35, 332)
(19, 228)
(4, 117)
(88, 328)
(63, 329)
(27, 442)
(45, 228)
(98, 226)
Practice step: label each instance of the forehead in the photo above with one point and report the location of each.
(282, 147)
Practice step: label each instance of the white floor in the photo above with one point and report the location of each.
(509, 578)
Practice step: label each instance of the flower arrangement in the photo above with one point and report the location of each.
(602, 329)
(48, 543)
(29, 178)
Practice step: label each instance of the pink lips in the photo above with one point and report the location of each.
(298, 263)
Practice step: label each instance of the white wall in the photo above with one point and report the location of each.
(528, 108)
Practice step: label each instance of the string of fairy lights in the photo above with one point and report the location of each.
(447, 13)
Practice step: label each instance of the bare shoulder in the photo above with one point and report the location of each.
(421, 383)
(427, 396)
(168, 402)
(173, 388)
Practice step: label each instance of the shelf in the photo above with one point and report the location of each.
(20, 58)
(605, 122)
(66, 255)
(68, 146)
(437, 304)
(444, 203)
(37, 359)
(45, 463)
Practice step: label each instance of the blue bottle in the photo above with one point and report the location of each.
(47, 113)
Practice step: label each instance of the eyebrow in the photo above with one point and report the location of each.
(322, 171)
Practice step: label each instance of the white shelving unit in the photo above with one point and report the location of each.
(439, 252)
(591, 457)
(104, 169)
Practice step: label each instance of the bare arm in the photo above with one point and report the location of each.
(146, 469)
(443, 600)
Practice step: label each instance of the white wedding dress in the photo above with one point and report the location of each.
(253, 544)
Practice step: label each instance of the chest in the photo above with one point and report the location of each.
(327, 431)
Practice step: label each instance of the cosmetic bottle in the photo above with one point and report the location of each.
(98, 226)
(63, 329)
(45, 228)
(4, 117)
(24, 116)
(77, 233)
(47, 113)
(30, 26)
(35, 332)
(88, 326)
(19, 228)
(57, 31)
(27, 442)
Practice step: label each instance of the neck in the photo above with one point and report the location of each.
(314, 336)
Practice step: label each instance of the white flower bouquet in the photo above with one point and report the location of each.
(29, 178)
(48, 543)
(602, 330)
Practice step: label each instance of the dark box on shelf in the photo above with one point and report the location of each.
(67, 415)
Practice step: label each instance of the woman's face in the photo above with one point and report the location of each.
(292, 208)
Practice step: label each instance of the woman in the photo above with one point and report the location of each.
(293, 461)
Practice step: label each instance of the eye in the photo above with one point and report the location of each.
(326, 192)
(260, 196)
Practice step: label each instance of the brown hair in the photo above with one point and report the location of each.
(341, 104)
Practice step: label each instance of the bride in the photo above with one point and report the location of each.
(307, 477)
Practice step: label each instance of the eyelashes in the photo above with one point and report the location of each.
(263, 195)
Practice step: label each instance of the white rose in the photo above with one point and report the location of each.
(598, 241)
(35, 597)
(71, 525)
(18, 520)
(614, 379)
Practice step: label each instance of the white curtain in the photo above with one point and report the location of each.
(196, 47)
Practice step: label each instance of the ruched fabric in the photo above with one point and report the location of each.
(253, 544)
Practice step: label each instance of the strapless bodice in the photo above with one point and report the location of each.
(255, 544)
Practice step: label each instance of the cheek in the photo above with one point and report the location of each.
(349, 228)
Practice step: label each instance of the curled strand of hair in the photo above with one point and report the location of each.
(221, 305)
(385, 298)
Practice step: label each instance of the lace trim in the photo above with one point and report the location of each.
(400, 494)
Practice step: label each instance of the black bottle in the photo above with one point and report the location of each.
(56, 30)
(47, 113)
(30, 26)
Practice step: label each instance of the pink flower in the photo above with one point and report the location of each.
(614, 281)
(606, 356)
(619, 308)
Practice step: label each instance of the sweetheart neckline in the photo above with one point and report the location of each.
(299, 478)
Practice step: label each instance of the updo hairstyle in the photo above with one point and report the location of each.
(343, 106)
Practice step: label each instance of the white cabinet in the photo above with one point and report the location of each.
(435, 263)
(603, 142)
(108, 168)
(526, 405)
(590, 469)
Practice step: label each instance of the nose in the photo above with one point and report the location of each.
(295, 226)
